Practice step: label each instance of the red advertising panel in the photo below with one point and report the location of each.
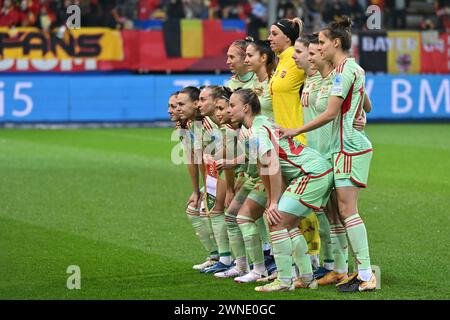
(435, 50)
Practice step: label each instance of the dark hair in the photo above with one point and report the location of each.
(174, 93)
(215, 91)
(242, 45)
(192, 92)
(218, 92)
(225, 93)
(291, 28)
(340, 30)
(249, 96)
(263, 47)
(307, 39)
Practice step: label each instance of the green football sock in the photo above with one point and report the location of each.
(282, 252)
(357, 236)
(214, 252)
(300, 252)
(200, 230)
(219, 228)
(325, 240)
(262, 228)
(252, 239)
(235, 235)
(340, 248)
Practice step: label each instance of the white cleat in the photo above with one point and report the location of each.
(208, 263)
(252, 276)
(231, 273)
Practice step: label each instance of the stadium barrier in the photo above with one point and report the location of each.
(197, 46)
(125, 98)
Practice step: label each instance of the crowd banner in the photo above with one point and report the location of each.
(435, 52)
(172, 37)
(31, 43)
(198, 45)
(191, 38)
(404, 52)
(124, 98)
(373, 48)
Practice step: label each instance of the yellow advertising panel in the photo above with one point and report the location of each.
(102, 44)
(191, 38)
(404, 52)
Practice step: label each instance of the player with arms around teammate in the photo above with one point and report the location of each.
(310, 89)
(245, 238)
(308, 176)
(262, 67)
(351, 149)
(285, 86)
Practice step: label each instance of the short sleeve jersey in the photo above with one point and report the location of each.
(251, 169)
(348, 83)
(322, 135)
(247, 81)
(285, 91)
(309, 93)
(190, 136)
(211, 136)
(295, 159)
(265, 99)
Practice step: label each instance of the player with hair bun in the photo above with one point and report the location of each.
(309, 92)
(284, 87)
(351, 149)
(308, 176)
(244, 214)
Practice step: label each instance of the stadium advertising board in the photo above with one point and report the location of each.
(435, 53)
(144, 98)
(197, 45)
(102, 49)
(29, 49)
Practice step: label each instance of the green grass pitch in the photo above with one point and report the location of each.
(111, 202)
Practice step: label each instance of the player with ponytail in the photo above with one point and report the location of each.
(308, 176)
(285, 86)
(351, 150)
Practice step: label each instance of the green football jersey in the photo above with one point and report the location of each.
(265, 99)
(295, 159)
(311, 87)
(228, 135)
(250, 169)
(348, 83)
(190, 136)
(247, 81)
(211, 136)
(322, 135)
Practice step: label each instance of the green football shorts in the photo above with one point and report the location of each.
(252, 189)
(351, 170)
(306, 193)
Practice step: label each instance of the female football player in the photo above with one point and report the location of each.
(308, 176)
(351, 149)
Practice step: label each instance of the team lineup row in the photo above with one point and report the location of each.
(267, 220)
